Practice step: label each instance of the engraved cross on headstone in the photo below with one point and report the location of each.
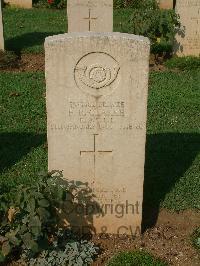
(95, 152)
(90, 18)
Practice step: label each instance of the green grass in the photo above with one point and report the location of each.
(196, 239)
(22, 128)
(172, 176)
(183, 63)
(135, 258)
(26, 30)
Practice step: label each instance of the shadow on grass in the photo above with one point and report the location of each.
(13, 146)
(27, 40)
(168, 156)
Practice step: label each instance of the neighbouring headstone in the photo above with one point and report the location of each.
(96, 109)
(188, 39)
(90, 15)
(1, 30)
(19, 3)
(166, 4)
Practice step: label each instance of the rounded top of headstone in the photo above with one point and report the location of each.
(51, 40)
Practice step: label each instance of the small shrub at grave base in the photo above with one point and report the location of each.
(40, 3)
(158, 25)
(30, 223)
(123, 3)
(57, 3)
(183, 63)
(196, 238)
(134, 3)
(135, 258)
(50, 3)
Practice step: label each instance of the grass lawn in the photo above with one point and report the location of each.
(135, 258)
(172, 176)
(25, 30)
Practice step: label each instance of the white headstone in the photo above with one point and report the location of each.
(90, 15)
(1, 30)
(97, 106)
(188, 42)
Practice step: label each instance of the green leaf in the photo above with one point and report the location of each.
(23, 229)
(36, 231)
(43, 213)
(37, 195)
(2, 257)
(10, 234)
(35, 222)
(25, 220)
(30, 243)
(31, 205)
(14, 240)
(43, 203)
(35, 226)
(34, 246)
(27, 238)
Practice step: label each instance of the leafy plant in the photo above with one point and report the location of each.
(123, 3)
(40, 3)
(183, 63)
(57, 3)
(50, 3)
(31, 219)
(134, 3)
(158, 25)
(135, 258)
(66, 253)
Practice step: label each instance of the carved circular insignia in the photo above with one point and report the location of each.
(97, 74)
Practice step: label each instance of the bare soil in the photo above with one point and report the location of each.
(27, 63)
(169, 239)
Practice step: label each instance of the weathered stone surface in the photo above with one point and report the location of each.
(166, 4)
(19, 3)
(1, 30)
(96, 106)
(90, 15)
(188, 38)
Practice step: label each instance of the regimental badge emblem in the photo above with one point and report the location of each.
(97, 74)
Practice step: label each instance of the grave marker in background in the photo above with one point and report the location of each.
(188, 43)
(96, 107)
(92, 15)
(1, 30)
(166, 4)
(19, 3)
